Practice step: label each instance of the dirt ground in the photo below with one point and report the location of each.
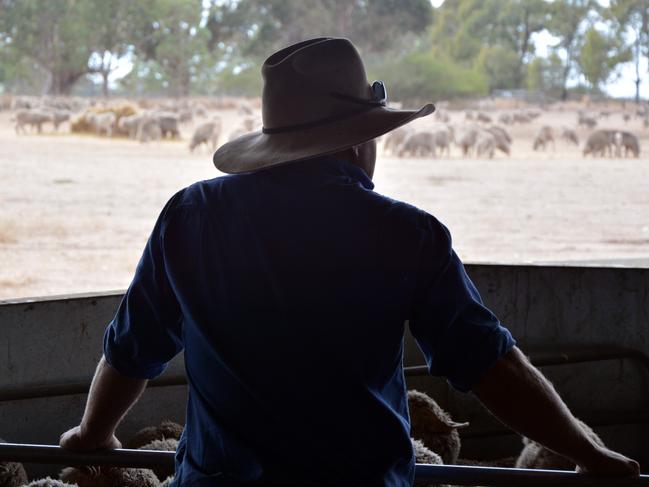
(75, 211)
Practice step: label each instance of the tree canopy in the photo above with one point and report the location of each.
(183, 47)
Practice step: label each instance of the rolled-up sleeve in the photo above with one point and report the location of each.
(458, 335)
(146, 332)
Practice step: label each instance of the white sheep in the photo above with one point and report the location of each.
(49, 482)
(425, 456)
(434, 427)
(12, 474)
(109, 477)
(167, 444)
(166, 430)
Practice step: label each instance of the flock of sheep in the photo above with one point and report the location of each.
(435, 440)
(481, 136)
(146, 121)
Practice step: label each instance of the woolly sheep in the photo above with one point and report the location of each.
(467, 141)
(34, 118)
(395, 138)
(501, 138)
(534, 455)
(443, 139)
(434, 427)
(166, 430)
(570, 135)
(425, 456)
(12, 474)
(48, 482)
(419, 144)
(628, 142)
(208, 132)
(544, 136)
(109, 477)
(167, 444)
(485, 145)
(599, 143)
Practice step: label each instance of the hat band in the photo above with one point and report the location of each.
(317, 123)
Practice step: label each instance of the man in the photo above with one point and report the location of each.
(288, 284)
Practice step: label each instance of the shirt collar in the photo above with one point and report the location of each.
(323, 168)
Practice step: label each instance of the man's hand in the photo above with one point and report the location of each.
(76, 439)
(110, 397)
(608, 462)
(518, 394)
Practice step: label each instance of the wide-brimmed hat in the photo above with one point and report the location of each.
(316, 101)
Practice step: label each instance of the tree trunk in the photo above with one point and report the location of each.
(63, 82)
(104, 83)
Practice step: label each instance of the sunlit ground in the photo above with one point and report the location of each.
(75, 211)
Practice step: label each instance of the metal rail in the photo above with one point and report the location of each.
(448, 474)
(539, 358)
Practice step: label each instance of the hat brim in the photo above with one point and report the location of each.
(257, 150)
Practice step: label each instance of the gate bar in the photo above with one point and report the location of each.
(449, 474)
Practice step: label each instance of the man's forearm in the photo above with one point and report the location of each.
(518, 394)
(111, 396)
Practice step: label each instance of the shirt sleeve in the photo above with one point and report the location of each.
(146, 332)
(459, 337)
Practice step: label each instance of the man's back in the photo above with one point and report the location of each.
(289, 289)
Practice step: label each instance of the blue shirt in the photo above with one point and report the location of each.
(288, 290)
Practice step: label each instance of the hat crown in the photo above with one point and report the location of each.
(299, 82)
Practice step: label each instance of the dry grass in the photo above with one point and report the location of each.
(8, 232)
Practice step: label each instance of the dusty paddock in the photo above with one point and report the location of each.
(75, 211)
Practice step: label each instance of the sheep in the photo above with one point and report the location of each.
(58, 117)
(505, 118)
(34, 118)
(599, 143)
(585, 120)
(167, 444)
(48, 482)
(501, 137)
(544, 136)
(206, 132)
(12, 474)
(425, 456)
(521, 118)
(485, 145)
(129, 124)
(443, 139)
(467, 141)
(483, 117)
(149, 129)
(166, 430)
(570, 135)
(103, 122)
(109, 477)
(419, 144)
(534, 455)
(185, 115)
(395, 138)
(629, 142)
(434, 427)
(168, 124)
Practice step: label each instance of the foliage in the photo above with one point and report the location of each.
(546, 75)
(599, 56)
(422, 77)
(181, 47)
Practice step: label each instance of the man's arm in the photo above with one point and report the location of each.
(111, 396)
(522, 398)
